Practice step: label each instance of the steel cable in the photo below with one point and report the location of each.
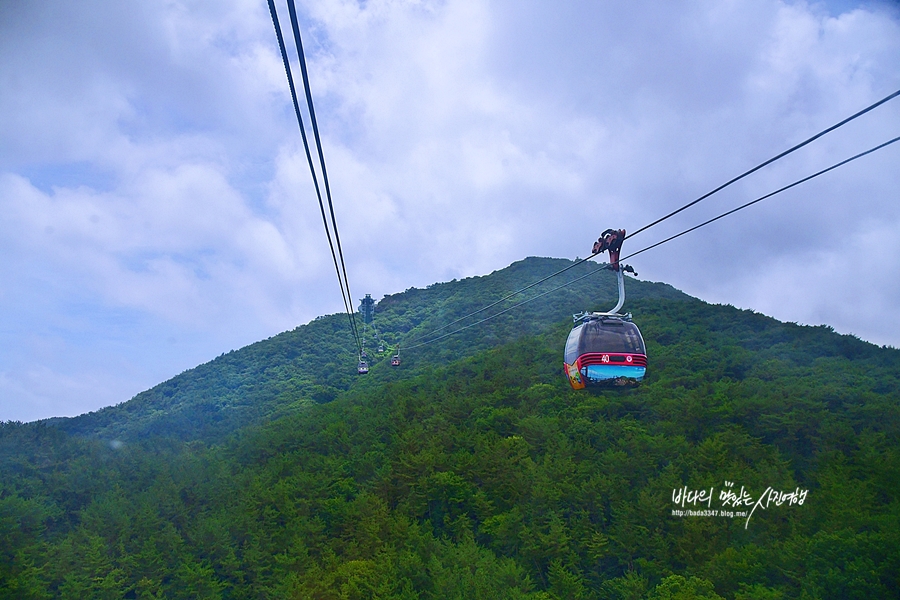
(606, 267)
(339, 265)
(688, 205)
(312, 117)
(768, 162)
(769, 195)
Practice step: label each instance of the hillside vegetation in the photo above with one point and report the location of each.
(473, 470)
(317, 361)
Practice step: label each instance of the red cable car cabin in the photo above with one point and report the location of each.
(605, 350)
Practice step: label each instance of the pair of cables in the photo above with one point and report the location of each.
(331, 230)
(669, 215)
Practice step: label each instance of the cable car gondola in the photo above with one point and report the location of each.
(606, 348)
(395, 359)
(362, 368)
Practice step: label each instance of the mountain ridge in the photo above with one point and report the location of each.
(301, 364)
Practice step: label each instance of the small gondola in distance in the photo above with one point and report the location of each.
(395, 359)
(606, 349)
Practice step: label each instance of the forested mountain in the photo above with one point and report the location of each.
(474, 470)
(317, 361)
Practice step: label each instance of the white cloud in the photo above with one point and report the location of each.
(852, 294)
(154, 187)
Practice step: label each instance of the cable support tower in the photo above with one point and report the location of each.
(338, 255)
(686, 231)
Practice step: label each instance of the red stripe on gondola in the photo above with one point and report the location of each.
(612, 359)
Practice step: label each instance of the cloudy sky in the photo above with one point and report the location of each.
(156, 209)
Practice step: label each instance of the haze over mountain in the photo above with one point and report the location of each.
(158, 209)
(758, 460)
(317, 361)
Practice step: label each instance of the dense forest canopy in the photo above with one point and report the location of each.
(474, 470)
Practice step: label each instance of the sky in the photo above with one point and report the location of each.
(156, 209)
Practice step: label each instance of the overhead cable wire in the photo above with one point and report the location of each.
(312, 117)
(343, 282)
(685, 207)
(506, 310)
(769, 195)
(606, 267)
(770, 161)
(312, 170)
(508, 296)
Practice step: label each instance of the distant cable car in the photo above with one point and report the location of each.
(362, 368)
(395, 359)
(606, 348)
